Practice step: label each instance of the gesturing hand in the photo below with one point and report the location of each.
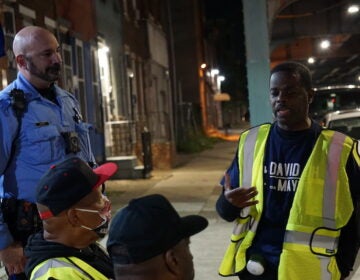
(239, 197)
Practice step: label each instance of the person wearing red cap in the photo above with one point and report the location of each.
(75, 214)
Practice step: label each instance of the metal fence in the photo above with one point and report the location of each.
(120, 138)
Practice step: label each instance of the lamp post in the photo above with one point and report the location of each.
(203, 103)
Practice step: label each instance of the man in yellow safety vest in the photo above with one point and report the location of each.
(293, 192)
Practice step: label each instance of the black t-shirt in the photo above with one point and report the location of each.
(285, 158)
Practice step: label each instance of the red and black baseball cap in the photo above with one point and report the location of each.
(67, 182)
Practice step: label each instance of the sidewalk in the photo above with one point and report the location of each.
(192, 188)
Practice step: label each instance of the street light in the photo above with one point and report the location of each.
(311, 60)
(353, 9)
(219, 80)
(325, 44)
(214, 72)
(203, 101)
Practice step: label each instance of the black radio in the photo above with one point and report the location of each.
(72, 142)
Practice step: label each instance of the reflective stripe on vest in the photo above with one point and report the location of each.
(331, 177)
(41, 271)
(249, 148)
(323, 241)
(322, 206)
(318, 170)
(246, 159)
(252, 142)
(314, 241)
(246, 180)
(246, 223)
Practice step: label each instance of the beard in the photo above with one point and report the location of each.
(49, 74)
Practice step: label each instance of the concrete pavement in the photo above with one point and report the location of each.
(193, 189)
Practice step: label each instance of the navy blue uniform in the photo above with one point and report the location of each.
(39, 144)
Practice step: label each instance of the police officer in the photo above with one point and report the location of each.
(40, 125)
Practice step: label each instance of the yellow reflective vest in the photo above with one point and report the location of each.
(322, 205)
(65, 268)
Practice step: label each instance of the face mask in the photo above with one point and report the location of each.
(102, 229)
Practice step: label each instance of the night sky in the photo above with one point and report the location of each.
(225, 19)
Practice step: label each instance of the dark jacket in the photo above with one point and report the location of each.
(39, 250)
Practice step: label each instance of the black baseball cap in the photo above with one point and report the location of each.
(147, 227)
(67, 182)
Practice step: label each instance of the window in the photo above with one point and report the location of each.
(67, 67)
(80, 90)
(9, 21)
(96, 90)
(28, 15)
(50, 25)
(9, 33)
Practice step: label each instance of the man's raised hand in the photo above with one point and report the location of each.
(239, 197)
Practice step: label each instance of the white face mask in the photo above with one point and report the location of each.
(102, 229)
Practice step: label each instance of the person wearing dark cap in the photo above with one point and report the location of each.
(149, 240)
(75, 214)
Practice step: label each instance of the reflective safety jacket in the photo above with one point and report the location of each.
(322, 205)
(65, 268)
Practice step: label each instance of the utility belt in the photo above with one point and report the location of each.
(21, 217)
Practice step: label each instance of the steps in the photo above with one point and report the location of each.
(128, 168)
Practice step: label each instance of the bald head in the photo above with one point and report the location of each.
(37, 55)
(26, 38)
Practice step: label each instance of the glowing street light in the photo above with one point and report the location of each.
(203, 66)
(214, 72)
(220, 79)
(325, 44)
(353, 9)
(311, 60)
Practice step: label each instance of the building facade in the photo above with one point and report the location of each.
(134, 65)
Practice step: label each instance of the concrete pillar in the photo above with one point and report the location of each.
(257, 60)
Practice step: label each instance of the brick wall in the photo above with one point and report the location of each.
(163, 155)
